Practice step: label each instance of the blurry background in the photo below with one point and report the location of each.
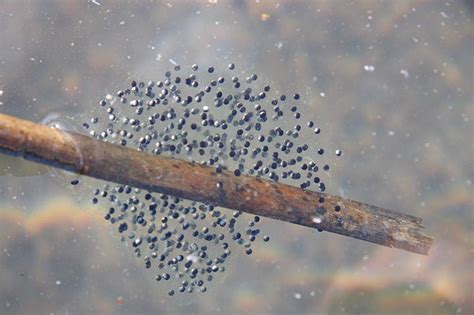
(389, 81)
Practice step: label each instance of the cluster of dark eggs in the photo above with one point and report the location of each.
(220, 120)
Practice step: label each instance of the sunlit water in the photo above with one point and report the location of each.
(390, 84)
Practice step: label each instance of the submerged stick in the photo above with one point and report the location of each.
(84, 155)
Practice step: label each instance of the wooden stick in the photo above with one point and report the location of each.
(84, 155)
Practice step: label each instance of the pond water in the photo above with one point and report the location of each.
(388, 84)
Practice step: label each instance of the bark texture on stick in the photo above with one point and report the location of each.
(87, 156)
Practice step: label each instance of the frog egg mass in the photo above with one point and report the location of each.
(220, 119)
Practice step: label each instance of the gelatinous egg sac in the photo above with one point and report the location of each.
(218, 119)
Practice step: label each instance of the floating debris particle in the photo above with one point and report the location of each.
(264, 16)
(405, 73)
(369, 68)
(213, 117)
